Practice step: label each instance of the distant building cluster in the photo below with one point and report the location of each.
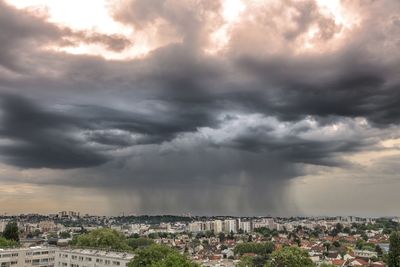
(210, 241)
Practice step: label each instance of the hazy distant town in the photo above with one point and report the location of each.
(71, 239)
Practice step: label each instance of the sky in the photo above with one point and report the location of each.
(208, 107)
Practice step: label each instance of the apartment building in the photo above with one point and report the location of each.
(27, 257)
(91, 258)
(55, 257)
(230, 226)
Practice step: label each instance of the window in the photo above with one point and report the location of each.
(116, 263)
(88, 259)
(14, 255)
(107, 262)
(74, 257)
(99, 260)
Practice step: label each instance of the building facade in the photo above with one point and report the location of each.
(27, 257)
(55, 257)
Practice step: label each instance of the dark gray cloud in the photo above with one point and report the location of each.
(230, 129)
(41, 139)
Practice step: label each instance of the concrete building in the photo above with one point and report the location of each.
(195, 227)
(27, 257)
(230, 226)
(91, 258)
(245, 226)
(47, 226)
(55, 257)
(217, 226)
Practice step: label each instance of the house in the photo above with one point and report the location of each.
(338, 262)
(378, 264)
(365, 254)
(358, 262)
(333, 256)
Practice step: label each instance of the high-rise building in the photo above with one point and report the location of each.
(230, 226)
(245, 226)
(217, 226)
(195, 227)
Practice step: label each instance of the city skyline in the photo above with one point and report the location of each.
(205, 107)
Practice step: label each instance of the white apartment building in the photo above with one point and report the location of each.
(217, 226)
(266, 222)
(55, 257)
(245, 226)
(207, 226)
(27, 257)
(230, 226)
(91, 258)
(195, 227)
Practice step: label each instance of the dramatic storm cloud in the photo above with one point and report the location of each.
(208, 107)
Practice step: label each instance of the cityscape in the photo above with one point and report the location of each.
(68, 238)
(199, 133)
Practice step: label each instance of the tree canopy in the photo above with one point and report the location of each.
(5, 243)
(140, 242)
(11, 232)
(160, 256)
(394, 250)
(257, 248)
(103, 238)
(290, 256)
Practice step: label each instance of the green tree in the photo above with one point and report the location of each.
(140, 242)
(221, 237)
(379, 250)
(65, 234)
(160, 256)
(394, 250)
(336, 243)
(5, 243)
(11, 231)
(290, 256)
(246, 261)
(339, 227)
(262, 249)
(103, 238)
(52, 235)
